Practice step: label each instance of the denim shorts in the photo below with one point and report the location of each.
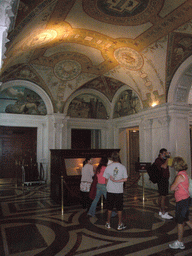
(182, 211)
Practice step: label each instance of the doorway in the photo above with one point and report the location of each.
(129, 145)
(85, 139)
(133, 149)
(18, 145)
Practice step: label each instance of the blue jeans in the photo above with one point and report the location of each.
(101, 190)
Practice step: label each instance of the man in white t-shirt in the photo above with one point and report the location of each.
(116, 175)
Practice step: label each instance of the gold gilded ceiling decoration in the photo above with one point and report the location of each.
(41, 38)
(180, 47)
(53, 61)
(129, 58)
(71, 43)
(123, 13)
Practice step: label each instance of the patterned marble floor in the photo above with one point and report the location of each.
(32, 224)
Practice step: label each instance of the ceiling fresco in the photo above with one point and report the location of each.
(64, 46)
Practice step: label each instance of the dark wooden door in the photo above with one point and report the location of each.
(133, 149)
(17, 145)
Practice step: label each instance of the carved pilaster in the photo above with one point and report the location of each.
(5, 21)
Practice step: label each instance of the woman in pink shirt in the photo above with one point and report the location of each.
(101, 186)
(182, 198)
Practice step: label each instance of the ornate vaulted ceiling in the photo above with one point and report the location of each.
(66, 45)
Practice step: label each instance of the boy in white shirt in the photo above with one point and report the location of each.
(116, 175)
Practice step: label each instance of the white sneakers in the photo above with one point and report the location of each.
(107, 225)
(177, 245)
(165, 216)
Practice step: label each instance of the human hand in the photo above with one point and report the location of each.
(168, 154)
(112, 179)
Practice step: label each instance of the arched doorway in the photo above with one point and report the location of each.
(33, 127)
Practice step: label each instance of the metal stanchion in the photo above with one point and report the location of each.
(143, 184)
(142, 168)
(62, 197)
(23, 176)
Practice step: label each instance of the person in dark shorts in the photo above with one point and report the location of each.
(183, 200)
(163, 183)
(116, 175)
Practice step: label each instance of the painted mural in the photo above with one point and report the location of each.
(21, 100)
(128, 103)
(87, 106)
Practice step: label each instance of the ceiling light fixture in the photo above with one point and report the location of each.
(154, 103)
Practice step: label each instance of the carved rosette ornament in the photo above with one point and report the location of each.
(67, 69)
(129, 58)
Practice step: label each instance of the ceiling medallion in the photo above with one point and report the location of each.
(39, 38)
(122, 12)
(129, 58)
(67, 69)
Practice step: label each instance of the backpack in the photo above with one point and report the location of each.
(190, 187)
(154, 173)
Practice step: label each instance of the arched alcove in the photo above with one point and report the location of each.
(126, 93)
(103, 100)
(181, 83)
(33, 87)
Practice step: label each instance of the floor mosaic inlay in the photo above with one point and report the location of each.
(32, 224)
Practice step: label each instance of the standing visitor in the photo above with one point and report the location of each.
(183, 200)
(101, 185)
(116, 175)
(86, 180)
(163, 183)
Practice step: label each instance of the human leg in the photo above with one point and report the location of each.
(162, 206)
(163, 186)
(93, 207)
(180, 231)
(119, 213)
(109, 216)
(83, 199)
(119, 207)
(88, 201)
(181, 216)
(178, 244)
(110, 204)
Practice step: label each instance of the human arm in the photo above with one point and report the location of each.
(176, 182)
(164, 165)
(121, 180)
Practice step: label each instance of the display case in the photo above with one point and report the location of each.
(66, 165)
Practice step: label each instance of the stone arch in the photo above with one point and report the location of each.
(104, 99)
(33, 87)
(181, 83)
(118, 93)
